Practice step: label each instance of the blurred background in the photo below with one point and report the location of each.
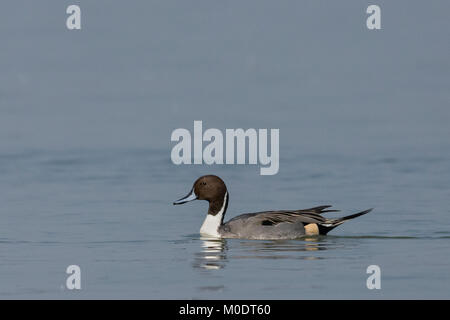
(85, 123)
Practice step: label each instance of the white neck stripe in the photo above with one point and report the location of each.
(212, 223)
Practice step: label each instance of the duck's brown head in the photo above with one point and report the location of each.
(210, 188)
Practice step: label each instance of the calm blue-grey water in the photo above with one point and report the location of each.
(86, 176)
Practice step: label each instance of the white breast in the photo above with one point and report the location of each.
(212, 223)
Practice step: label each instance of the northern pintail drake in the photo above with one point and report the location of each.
(280, 224)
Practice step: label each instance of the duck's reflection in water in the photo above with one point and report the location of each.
(284, 249)
(212, 255)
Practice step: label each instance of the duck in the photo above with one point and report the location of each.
(265, 225)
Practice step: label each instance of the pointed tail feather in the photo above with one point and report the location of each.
(352, 216)
(331, 224)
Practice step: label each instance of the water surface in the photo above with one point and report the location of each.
(85, 170)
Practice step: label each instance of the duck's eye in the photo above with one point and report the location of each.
(203, 183)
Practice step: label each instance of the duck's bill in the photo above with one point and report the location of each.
(190, 197)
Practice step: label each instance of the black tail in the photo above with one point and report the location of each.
(333, 223)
